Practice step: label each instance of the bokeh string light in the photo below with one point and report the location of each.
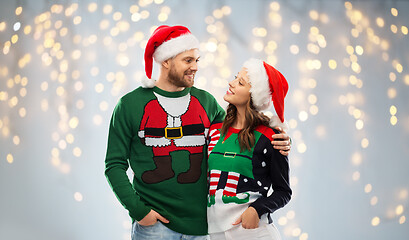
(362, 29)
(105, 61)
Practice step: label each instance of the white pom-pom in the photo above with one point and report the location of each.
(147, 83)
(276, 122)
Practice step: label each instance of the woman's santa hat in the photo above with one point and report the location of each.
(166, 42)
(267, 84)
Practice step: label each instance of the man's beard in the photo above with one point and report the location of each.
(178, 81)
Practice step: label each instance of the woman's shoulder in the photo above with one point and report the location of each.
(266, 131)
(216, 125)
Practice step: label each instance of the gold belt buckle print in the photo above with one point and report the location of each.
(230, 154)
(173, 128)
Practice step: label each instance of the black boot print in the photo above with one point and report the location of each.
(195, 170)
(162, 172)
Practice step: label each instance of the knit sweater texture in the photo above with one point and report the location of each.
(161, 136)
(256, 178)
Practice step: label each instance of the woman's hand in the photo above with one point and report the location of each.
(151, 218)
(282, 141)
(249, 219)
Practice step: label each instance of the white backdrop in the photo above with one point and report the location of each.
(64, 65)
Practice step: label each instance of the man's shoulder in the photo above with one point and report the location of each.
(137, 93)
(200, 93)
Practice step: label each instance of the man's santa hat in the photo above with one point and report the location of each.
(166, 42)
(267, 85)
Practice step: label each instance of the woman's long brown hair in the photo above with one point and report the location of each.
(254, 119)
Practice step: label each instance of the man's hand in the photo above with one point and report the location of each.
(151, 218)
(249, 219)
(281, 141)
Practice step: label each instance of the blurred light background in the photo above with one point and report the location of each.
(65, 64)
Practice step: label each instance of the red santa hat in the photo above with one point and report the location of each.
(267, 85)
(166, 42)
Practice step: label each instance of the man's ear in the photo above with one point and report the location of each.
(166, 63)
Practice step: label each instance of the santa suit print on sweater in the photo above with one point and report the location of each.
(163, 135)
(171, 124)
(258, 178)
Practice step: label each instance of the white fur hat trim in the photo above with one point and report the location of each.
(175, 46)
(260, 88)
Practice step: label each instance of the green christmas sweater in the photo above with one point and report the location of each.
(162, 137)
(256, 178)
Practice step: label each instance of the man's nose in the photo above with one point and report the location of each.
(194, 66)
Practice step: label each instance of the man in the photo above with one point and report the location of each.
(161, 130)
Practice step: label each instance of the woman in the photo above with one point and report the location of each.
(243, 165)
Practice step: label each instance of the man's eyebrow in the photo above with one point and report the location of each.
(189, 57)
